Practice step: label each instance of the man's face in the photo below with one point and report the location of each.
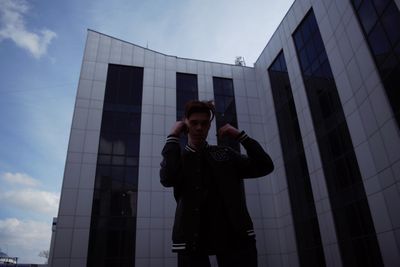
(198, 125)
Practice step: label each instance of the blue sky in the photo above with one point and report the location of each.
(41, 49)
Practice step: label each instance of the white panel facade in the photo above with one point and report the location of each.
(372, 126)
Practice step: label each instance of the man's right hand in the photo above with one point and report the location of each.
(178, 128)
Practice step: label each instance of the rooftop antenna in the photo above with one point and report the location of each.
(239, 61)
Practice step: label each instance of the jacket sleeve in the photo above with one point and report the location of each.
(171, 162)
(257, 163)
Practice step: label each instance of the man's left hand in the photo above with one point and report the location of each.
(228, 130)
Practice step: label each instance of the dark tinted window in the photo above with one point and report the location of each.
(308, 236)
(225, 106)
(350, 210)
(113, 224)
(380, 21)
(186, 90)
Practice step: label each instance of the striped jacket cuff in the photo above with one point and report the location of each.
(172, 139)
(176, 247)
(251, 232)
(242, 136)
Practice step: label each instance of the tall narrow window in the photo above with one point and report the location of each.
(305, 219)
(225, 106)
(113, 223)
(380, 21)
(186, 90)
(354, 226)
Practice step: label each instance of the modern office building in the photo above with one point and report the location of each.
(322, 98)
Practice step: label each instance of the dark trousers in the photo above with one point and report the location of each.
(241, 257)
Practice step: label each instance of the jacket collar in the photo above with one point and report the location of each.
(193, 150)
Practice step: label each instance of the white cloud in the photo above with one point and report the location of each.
(13, 27)
(24, 239)
(35, 201)
(19, 178)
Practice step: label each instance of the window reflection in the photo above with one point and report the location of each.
(307, 232)
(380, 21)
(225, 106)
(367, 10)
(114, 200)
(132, 145)
(119, 145)
(186, 90)
(339, 163)
(105, 146)
(118, 160)
(113, 241)
(380, 45)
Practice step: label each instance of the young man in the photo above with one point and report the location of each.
(211, 215)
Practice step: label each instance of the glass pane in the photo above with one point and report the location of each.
(186, 90)
(356, 3)
(226, 108)
(219, 105)
(134, 123)
(131, 176)
(391, 23)
(311, 52)
(388, 65)
(336, 149)
(298, 178)
(380, 5)
(123, 95)
(104, 159)
(326, 70)
(118, 160)
(379, 43)
(368, 15)
(228, 89)
(298, 39)
(132, 161)
(304, 59)
(112, 83)
(107, 123)
(318, 45)
(306, 31)
(105, 146)
(121, 121)
(119, 145)
(117, 173)
(132, 145)
(103, 177)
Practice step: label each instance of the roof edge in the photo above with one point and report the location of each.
(207, 61)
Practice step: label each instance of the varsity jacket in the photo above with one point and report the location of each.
(181, 170)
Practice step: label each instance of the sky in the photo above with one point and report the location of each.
(41, 51)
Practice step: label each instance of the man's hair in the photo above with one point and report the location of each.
(196, 106)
